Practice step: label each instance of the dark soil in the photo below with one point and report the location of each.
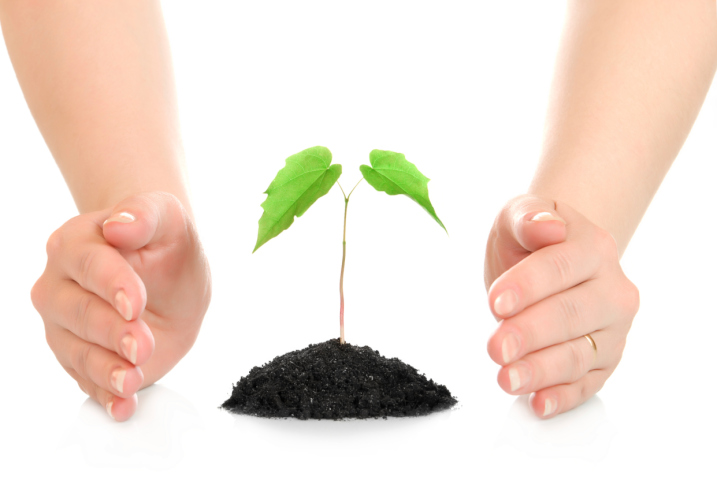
(333, 381)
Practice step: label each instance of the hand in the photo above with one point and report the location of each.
(554, 277)
(123, 296)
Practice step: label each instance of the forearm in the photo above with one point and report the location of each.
(98, 79)
(630, 79)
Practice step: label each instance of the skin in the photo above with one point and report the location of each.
(127, 283)
(630, 80)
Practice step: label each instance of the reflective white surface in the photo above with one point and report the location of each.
(461, 91)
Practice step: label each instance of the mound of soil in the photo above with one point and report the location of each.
(334, 381)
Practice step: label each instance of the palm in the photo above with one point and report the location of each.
(177, 281)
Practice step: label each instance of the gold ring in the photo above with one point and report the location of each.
(592, 343)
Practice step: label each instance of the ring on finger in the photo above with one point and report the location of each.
(592, 343)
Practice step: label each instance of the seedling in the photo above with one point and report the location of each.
(334, 379)
(309, 175)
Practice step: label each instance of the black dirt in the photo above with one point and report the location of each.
(334, 381)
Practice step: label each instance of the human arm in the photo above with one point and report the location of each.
(629, 82)
(97, 77)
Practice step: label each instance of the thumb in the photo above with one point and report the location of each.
(144, 220)
(534, 223)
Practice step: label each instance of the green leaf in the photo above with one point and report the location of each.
(394, 175)
(307, 176)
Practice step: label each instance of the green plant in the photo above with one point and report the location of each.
(309, 175)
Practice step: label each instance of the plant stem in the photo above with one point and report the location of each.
(343, 261)
(341, 281)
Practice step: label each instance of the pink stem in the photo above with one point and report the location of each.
(341, 282)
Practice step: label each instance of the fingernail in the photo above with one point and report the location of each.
(550, 406)
(514, 376)
(510, 347)
(123, 305)
(122, 217)
(505, 303)
(109, 409)
(545, 216)
(118, 379)
(518, 376)
(129, 348)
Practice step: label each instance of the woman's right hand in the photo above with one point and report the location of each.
(123, 296)
(553, 278)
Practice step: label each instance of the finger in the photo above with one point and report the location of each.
(560, 364)
(120, 409)
(94, 363)
(560, 318)
(554, 268)
(84, 256)
(552, 401)
(525, 224)
(535, 223)
(147, 219)
(94, 320)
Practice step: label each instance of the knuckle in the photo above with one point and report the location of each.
(37, 294)
(525, 330)
(595, 384)
(577, 362)
(180, 218)
(50, 339)
(584, 393)
(54, 243)
(503, 223)
(570, 311)
(160, 202)
(110, 337)
(172, 200)
(81, 360)
(82, 314)
(627, 298)
(561, 263)
(85, 265)
(510, 208)
(606, 244)
(619, 349)
(632, 297)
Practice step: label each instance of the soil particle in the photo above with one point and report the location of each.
(334, 381)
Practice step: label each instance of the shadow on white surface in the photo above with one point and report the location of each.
(584, 432)
(150, 439)
(341, 429)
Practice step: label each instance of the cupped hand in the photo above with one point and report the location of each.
(554, 277)
(123, 296)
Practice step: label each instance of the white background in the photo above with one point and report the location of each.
(461, 89)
